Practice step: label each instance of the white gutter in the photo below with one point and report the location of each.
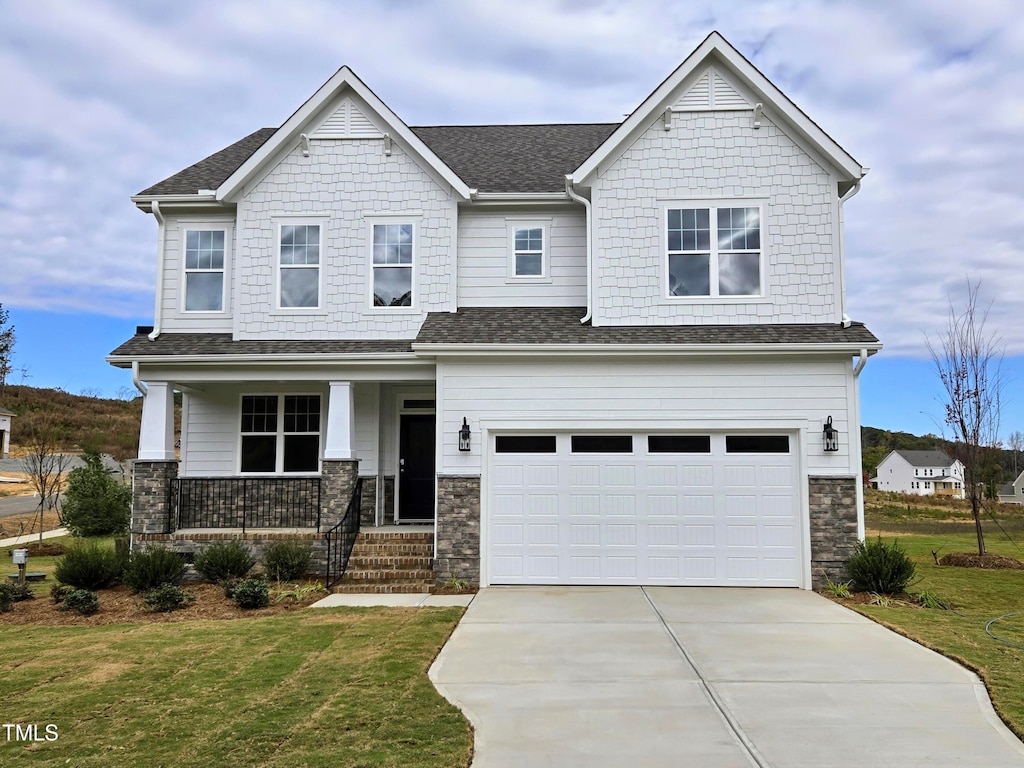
(855, 441)
(637, 349)
(586, 205)
(850, 193)
(161, 234)
(311, 358)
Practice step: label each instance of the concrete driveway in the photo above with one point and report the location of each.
(716, 678)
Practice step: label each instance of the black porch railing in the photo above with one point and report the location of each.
(246, 502)
(342, 537)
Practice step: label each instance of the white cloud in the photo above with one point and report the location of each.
(113, 97)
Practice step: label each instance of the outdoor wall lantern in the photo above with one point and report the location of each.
(830, 435)
(464, 436)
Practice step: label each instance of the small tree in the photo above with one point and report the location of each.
(6, 347)
(1016, 443)
(45, 466)
(968, 360)
(95, 503)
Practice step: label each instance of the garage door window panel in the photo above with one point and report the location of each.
(602, 444)
(524, 444)
(757, 444)
(679, 444)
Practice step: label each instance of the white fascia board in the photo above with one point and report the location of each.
(145, 202)
(776, 101)
(634, 350)
(293, 126)
(520, 198)
(393, 358)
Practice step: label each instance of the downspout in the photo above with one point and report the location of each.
(586, 206)
(159, 270)
(855, 440)
(136, 380)
(850, 193)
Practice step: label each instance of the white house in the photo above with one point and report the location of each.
(1013, 493)
(580, 354)
(5, 433)
(922, 473)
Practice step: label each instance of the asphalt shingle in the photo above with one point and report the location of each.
(212, 171)
(213, 344)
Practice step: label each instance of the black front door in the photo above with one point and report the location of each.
(416, 468)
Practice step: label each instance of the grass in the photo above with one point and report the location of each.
(325, 687)
(976, 596)
(40, 564)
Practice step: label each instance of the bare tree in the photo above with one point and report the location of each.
(45, 465)
(6, 347)
(1016, 443)
(968, 360)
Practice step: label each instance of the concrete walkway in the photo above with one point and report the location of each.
(730, 678)
(28, 538)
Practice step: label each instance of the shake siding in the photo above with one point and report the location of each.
(711, 156)
(665, 393)
(174, 320)
(484, 257)
(346, 181)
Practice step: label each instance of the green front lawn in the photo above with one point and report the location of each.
(324, 687)
(977, 596)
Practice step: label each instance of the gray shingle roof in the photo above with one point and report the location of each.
(491, 158)
(515, 158)
(926, 458)
(212, 171)
(191, 344)
(561, 325)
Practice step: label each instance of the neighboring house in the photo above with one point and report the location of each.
(1013, 493)
(5, 433)
(581, 354)
(921, 473)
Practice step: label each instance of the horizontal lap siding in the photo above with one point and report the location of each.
(484, 251)
(173, 319)
(644, 391)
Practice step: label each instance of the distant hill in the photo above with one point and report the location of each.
(80, 422)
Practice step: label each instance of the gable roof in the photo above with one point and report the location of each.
(210, 172)
(290, 130)
(926, 458)
(515, 158)
(718, 50)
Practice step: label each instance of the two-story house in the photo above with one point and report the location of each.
(582, 354)
(921, 473)
(1013, 492)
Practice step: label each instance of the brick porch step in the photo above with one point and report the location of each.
(396, 562)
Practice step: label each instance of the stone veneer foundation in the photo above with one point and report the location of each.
(458, 529)
(833, 508)
(151, 496)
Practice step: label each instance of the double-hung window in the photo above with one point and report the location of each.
(204, 270)
(528, 250)
(714, 251)
(299, 280)
(280, 433)
(392, 265)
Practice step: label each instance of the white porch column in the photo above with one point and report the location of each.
(156, 437)
(340, 440)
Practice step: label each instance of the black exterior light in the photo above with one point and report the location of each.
(464, 436)
(830, 435)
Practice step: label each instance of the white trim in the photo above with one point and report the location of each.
(398, 410)
(312, 220)
(187, 226)
(294, 125)
(393, 219)
(513, 223)
(639, 350)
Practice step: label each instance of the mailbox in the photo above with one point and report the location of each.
(20, 556)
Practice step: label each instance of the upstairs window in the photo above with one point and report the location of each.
(392, 265)
(280, 434)
(204, 270)
(527, 250)
(300, 266)
(714, 251)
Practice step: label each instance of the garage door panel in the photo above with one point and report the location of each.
(699, 519)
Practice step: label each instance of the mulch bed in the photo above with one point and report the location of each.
(119, 605)
(41, 549)
(974, 560)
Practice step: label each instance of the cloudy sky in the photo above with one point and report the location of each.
(102, 99)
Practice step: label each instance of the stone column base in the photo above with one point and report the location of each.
(151, 496)
(337, 480)
(458, 529)
(833, 507)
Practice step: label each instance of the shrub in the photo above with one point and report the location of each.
(152, 567)
(880, 567)
(286, 560)
(251, 593)
(84, 601)
(167, 598)
(95, 503)
(59, 591)
(16, 592)
(89, 565)
(6, 601)
(220, 561)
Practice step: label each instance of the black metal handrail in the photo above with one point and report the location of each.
(246, 502)
(341, 538)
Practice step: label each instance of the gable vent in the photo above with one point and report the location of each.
(347, 121)
(711, 92)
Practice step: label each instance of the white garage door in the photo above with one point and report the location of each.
(700, 510)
